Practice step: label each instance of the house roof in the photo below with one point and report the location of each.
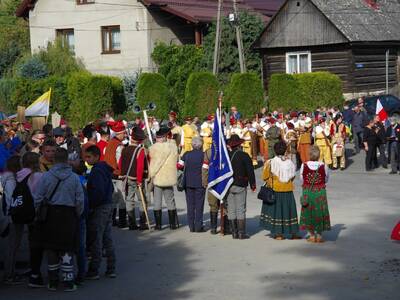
(362, 22)
(195, 11)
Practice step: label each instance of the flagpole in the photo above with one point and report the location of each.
(222, 225)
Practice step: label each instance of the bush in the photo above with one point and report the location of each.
(201, 95)
(7, 88)
(305, 91)
(119, 103)
(90, 96)
(33, 68)
(153, 88)
(246, 92)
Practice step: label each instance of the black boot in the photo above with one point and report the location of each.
(142, 220)
(114, 217)
(227, 227)
(172, 219)
(213, 222)
(158, 219)
(242, 230)
(234, 229)
(132, 221)
(122, 218)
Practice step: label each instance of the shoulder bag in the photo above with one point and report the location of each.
(266, 193)
(42, 210)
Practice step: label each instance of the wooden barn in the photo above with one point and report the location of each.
(359, 40)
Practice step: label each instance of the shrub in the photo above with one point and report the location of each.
(90, 96)
(33, 68)
(305, 91)
(7, 88)
(246, 92)
(153, 88)
(201, 95)
(119, 103)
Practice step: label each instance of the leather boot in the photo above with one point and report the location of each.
(227, 227)
(122, 218)
(213, 222)
(158, 219)
(142, 221)
(172, 219)
(114, 218)
(234, 229)
(242, 230)
(132, 221)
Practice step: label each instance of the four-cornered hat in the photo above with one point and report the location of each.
(235, 141)
(290, 125)
(138, 134)
(173, 114)
(164, 131)
(294, 114)
(210, 117)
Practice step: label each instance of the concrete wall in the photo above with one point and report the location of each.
(139, 32)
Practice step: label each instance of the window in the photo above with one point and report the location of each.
(79, 2)
(298, 62)
(111, 39)
(67, 38)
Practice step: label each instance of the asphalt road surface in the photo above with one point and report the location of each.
(358, 260)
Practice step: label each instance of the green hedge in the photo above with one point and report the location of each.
(152, 87)
(201, 95)
(246, 92)
(304, 91)
(90, 96)
(7, 88)
(119, 103)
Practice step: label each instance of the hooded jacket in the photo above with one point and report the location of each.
(69, 192)
(99, 185)
(8, 184)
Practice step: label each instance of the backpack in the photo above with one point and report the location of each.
(22, 209)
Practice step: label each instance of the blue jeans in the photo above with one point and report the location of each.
(195, 207)
(100, 220)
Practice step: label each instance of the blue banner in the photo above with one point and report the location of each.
(220, 173)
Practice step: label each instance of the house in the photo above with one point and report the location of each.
(359, 40)
(118, 36)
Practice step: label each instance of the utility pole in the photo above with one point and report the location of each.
(387, 71)
(239, 38)
(217, 38)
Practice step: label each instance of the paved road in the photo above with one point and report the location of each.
(358, 261)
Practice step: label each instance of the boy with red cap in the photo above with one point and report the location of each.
(112, 157)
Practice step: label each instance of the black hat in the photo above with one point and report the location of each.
(163, 131)
(58, 131)
(235, 141)
(138, 134)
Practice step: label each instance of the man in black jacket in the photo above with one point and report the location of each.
(381, 145)
(393, 137)
(243, 175)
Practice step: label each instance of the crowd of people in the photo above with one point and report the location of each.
(69, 190)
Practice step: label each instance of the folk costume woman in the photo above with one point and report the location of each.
(280, 218)
(314, 212)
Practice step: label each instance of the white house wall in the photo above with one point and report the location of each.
(139, 32)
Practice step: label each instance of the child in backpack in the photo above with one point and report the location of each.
(8, 181)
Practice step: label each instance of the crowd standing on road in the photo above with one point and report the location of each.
(69, 190)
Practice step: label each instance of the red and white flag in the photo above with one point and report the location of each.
(380, 111)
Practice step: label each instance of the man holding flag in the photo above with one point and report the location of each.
(381, 120)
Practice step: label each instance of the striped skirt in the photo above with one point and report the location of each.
(280, 218)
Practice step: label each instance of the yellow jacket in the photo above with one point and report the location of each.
(277, 185)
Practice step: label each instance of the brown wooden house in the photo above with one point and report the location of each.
(350, 38)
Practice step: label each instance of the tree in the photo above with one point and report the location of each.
(176, 63)
(152, 88)
(201, 94)
(252, 26)
(14, 36)
(33, 68)
(246, 92)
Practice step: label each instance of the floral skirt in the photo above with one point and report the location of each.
(314, 212)
(280, 218)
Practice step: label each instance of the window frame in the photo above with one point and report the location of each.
(85, 2)
(61, 33)
(109, 29)
(298, 53)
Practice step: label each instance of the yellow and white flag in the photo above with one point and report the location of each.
(41, 106)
